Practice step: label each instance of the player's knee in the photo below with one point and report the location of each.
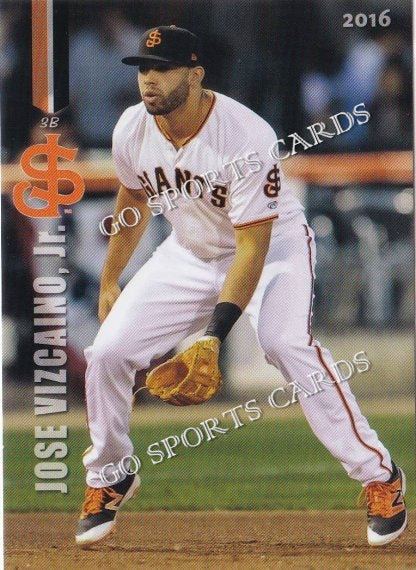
(277, 345)
(107, 354)
(116, 355)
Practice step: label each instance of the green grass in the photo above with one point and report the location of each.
(267, 464)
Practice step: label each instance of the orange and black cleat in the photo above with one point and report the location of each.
(100, 508)
(386, 509)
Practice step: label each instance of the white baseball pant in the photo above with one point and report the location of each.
(172, 296)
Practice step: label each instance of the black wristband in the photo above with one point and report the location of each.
(223, 319)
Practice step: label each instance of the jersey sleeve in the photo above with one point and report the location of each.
(121, 157)
(255, 192)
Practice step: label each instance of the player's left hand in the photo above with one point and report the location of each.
(191, 377)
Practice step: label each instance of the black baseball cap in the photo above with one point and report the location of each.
(167, 44)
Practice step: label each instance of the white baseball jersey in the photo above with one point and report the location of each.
(235, 146)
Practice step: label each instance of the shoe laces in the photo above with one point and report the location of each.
(377, 495)
(94, 499)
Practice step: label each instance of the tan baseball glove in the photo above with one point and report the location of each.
(190, 377)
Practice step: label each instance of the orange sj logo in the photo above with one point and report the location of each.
(154, 39)
(52, 174)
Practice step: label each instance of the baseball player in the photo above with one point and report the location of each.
(240, 242)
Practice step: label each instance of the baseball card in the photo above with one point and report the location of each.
(208, 284)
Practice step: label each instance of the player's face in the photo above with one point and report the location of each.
(163, 87)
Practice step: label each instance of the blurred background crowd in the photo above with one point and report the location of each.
(291, 61)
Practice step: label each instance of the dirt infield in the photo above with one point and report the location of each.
(209, 540)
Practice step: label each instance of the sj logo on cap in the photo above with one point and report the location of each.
(154, 39)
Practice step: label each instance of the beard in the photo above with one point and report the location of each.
(167, 104)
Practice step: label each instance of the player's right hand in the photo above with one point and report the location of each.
(108, 296)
